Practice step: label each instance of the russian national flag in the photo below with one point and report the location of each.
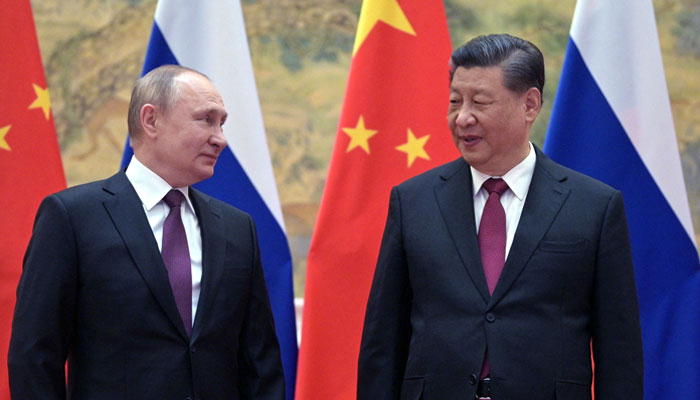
(612, 120)
(210, 37)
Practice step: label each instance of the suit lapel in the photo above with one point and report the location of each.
(213, 252)
(126, 211)
(544, 200)
(456, 202)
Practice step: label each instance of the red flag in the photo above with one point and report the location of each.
(393, 126)
(30, 161)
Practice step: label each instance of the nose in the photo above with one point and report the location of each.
(218, 139)
(465, 117)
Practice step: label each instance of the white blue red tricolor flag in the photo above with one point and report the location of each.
(210, 37)
(612, 120)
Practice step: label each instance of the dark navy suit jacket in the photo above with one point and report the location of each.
(94, 291)
(568, 280)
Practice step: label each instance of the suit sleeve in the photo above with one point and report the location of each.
(387, 329)
(262, 376)
(44, 313)
(617, 342)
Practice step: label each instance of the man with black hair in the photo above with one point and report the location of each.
(500, 271)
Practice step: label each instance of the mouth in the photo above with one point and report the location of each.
(470, 140)
(211, 157)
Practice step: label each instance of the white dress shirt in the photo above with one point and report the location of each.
(151, 189)
(513, 200)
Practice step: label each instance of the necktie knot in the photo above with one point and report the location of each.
(495, 185)
(174, 198)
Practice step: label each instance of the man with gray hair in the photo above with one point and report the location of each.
(500, 271)
(148, 288)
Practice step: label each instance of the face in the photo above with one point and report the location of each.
(188, 137)
(490, 124)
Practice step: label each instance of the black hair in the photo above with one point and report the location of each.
(521, 61)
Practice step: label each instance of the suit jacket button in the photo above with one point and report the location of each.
(490, 317)
(472, 379)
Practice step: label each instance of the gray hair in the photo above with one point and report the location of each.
(158, 87)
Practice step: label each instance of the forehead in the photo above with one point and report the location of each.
(477, 79)
(197, 91)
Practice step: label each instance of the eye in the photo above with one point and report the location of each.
(481, 102)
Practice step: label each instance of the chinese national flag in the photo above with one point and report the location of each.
(392, 127)
(30, 161)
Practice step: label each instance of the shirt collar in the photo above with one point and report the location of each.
(150, 187)
(518, 178)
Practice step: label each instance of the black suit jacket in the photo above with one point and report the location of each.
(94, 291)
(568, 279)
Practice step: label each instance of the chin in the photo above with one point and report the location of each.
(477, 163)
(469, 156)
(206, 176)
(202, 174)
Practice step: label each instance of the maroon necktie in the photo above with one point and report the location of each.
(176, 256)
(492, 232)
(492, 239)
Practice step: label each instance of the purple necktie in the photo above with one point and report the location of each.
(492, 240)
(176, 256)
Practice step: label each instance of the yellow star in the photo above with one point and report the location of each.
(414, 148)
(359, 136)
(387, 11)
(42, 100)
(3, 142)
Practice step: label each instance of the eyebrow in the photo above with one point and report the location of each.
(210, 110)
(474, 90)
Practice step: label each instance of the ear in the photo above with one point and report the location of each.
(149, 117)
(533, 104)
